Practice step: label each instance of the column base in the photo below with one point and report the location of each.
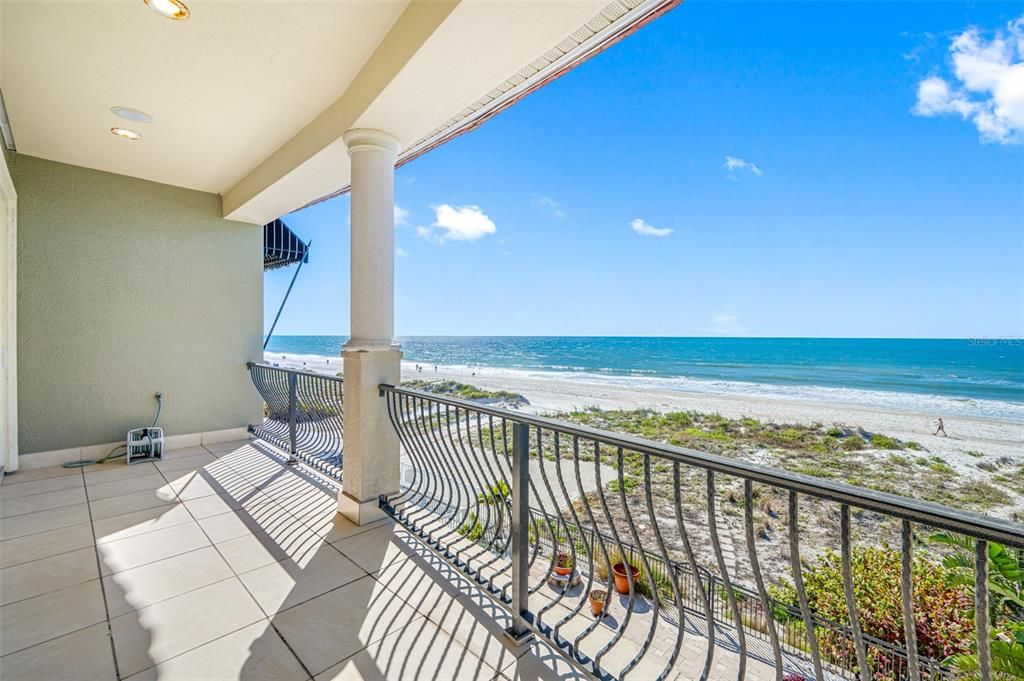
(360, 512)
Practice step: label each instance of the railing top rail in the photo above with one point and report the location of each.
(264, 365)
(924, 512)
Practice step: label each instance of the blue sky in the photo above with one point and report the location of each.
(875, 191)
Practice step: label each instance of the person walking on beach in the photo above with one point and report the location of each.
(941, 428)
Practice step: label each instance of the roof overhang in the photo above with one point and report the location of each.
(250, 100)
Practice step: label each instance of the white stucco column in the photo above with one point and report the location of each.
(371, 356)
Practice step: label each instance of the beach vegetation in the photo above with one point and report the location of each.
(885, 442)
(464, 391)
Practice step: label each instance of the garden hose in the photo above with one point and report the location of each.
(111, 455)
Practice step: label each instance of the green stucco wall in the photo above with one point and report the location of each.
(127, 288)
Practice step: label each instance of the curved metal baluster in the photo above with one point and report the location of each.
(547, 520)
(621, 629)
(798, 580)
(554, 542)
(907, 598)
(442, 497)
(498, 538)
(579, 529)
(981, 609)
(851, 601)
(696, 570)
(730, 596)
(673, 578)
(491, 487)
(599, 540)
(484, 496)
(762, 592)
(503, 534)
(430, 511)
(448, 459)
(400, 425)
(655, 597)
(462, 464)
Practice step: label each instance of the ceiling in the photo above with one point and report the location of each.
(250, 100)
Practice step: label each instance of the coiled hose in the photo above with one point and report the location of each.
(113, 453)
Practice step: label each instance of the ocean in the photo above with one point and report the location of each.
(969, 377)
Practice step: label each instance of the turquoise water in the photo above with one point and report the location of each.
(980, 377)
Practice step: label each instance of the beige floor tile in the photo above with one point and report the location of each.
(82, 655)
(427, 583)
(45, 544)
(45, 617)
(43, 521)
(203, 483)
(47, 574)
(31, 487)
(216, 504)
(327, 629)
(134, 524)
(41, 502)
(266, 519)
(137, 502)
(240, 446)
(167, 629)
(419, 650)
(334, 527)
(118, 488)
(479, 624)
(189, 462)
(283, 585)
(292, 542)
(116, 470)
(255, 653)
(31, 474)
(154, 582)
(132, 552)
(379, 547)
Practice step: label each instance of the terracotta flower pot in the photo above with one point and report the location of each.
(563, 564)
(621, 580)
(597, 597)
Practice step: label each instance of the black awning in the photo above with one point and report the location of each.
(281, 246)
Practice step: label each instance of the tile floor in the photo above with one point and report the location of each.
(222, 563)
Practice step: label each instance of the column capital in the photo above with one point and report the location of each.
(359, 139)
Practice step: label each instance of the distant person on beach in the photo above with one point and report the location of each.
(435, 368)
(941, 428)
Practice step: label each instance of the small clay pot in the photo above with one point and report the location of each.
(621, 580)
(597, 597)
(563, 558)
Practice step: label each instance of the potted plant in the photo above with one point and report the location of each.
(621, 580)
(563, 564)
(597, 598)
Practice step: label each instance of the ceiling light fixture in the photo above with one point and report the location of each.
(127, 134)
(172, 9)
(130, 114)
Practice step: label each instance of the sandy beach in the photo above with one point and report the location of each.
(994, 438)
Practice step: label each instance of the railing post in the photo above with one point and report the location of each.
(520, 632)
(293, 381)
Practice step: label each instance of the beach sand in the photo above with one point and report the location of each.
(995, 439)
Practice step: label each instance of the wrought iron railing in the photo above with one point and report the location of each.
(302, 414)
(508, 497)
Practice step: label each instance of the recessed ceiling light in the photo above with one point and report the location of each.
(126, 133)
(130, 114)
(172, 9)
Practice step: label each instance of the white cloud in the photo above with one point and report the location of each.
(401, 215)
(401, 252)
(644, 229)
(732, 163)
(461, 223)
(727, 324)
(550, 204)
(989, 84)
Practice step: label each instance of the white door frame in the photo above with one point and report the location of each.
(8, 320)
